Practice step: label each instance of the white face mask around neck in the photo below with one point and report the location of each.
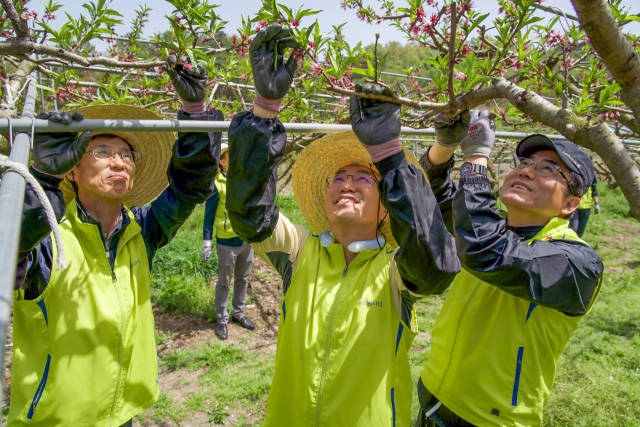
(326, 240)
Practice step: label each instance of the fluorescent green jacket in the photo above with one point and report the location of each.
(221, 222)
(88, 357)
(586, 202)
(341, 359)
(493, 357)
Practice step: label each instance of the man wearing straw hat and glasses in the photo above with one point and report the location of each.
(84, 346)
(347, 320)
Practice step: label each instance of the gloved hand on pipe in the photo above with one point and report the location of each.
(58, 153)
(376, 123)
(272, 76)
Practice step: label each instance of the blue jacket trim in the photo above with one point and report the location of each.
(235, 242)
(44, 311)
(40, 389)
(531, 307)
(393, 408)
(400, 329)
(284, 312)
(516, 384)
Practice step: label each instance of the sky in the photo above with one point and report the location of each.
(332, 14)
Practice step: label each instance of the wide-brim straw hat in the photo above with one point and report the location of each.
(155, 147)
(322, 158)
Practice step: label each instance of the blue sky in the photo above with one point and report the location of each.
(332, 14)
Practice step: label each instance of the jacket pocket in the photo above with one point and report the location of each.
(516, 383)
(40, 389)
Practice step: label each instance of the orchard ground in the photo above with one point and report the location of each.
(206, 382)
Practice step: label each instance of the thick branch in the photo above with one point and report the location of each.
(26, 47)
(630, 122)
(594, 135)
(19, 24)
(11, 88)
(620, 58)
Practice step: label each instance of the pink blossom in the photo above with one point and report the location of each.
(263, 24)
(294, 23)
(501, 112)
(312, 44)
(315, 67)
(234, 39)
(459, 76)
(502, 71)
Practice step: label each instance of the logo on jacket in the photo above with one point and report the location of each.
(368, 304)
(135, 263)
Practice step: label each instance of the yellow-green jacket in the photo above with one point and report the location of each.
(493, 356)
(87, 356)
(342, 348)
(215, 216)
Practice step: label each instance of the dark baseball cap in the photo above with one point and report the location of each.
(576, 159)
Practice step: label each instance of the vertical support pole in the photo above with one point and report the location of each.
(11, 203)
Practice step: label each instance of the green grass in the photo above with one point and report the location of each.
(598, 375)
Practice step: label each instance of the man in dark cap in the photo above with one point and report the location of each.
(526, 282)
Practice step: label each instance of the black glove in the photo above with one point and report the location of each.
(373, 121)
(272, 83)
(190, 82)
(58, 153)
(451, 132)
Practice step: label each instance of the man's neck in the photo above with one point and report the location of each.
(105, 211)
(347, 234)
(519, 219)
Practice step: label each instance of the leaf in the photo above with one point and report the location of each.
(584, 105)
(477, 22)
(632, 18)
(47, 88)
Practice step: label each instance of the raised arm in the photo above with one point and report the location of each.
(426, 259)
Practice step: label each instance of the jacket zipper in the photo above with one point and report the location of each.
(225, 220)
(121, 304)
(455, 336)
(327, 346)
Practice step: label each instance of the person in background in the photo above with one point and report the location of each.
(84, 346)
(235, 257)
(580, 217)
(526, 282)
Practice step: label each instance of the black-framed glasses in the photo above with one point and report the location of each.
(542, 168)
(103, 152)
(359, 179)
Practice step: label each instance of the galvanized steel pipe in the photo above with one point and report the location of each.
(11, 205)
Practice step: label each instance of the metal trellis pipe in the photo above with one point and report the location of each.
(103, 125)
(11, 201)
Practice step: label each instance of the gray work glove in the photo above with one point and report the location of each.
(481, 137)
(373, 121)
(451, 132)
(268, 46)
(206, 254)
(596, 209)
(58, 153)
(190, 82)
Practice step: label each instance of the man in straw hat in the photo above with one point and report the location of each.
(84, 347)
(235, 257)
(347, 319)
(527, 280)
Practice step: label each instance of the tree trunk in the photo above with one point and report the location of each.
(594, 135)
(16, 81)
(620, 58)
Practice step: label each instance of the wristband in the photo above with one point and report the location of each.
(382, 151)
(207, 243)
(193, 107)
(268, 104)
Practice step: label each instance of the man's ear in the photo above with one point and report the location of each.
(570, 206)
(71, 176)
(384, 213)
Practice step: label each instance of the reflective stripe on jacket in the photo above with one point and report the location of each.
(493, 356)
(88, 356)
(341, 358)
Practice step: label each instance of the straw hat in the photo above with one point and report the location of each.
(155, 147)
(322, 158)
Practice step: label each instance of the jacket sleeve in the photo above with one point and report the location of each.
(256, 147)
(282, 249)
(442, 185)
(210, 208)
(426, 258)
(594, 187)
(560, 274)
(191, 172)
(35, 227)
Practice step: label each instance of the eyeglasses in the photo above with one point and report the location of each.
(129, 157)
(359, 179)
(542, 168)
